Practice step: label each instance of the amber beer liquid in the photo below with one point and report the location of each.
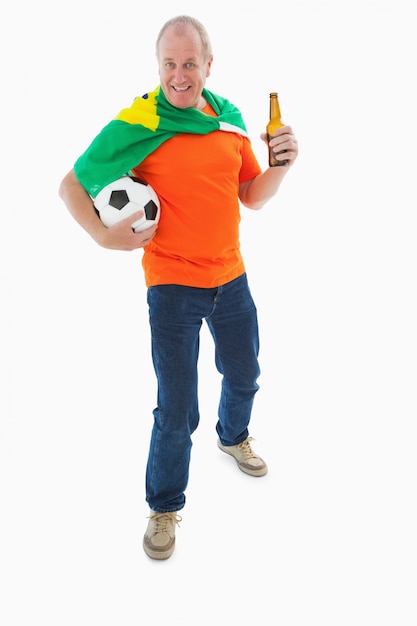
(275, 122)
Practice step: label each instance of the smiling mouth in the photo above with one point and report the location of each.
(180, 89)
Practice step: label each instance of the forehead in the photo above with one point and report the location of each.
(184, 41)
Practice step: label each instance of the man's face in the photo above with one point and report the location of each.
(182, 67)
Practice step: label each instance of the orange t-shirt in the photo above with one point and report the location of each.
(196, 178)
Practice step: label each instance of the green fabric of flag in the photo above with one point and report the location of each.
(138, 130)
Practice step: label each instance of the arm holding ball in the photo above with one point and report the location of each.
(120, 236)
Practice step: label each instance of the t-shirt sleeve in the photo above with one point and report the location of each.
(250, 165)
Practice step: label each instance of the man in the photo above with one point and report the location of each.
(191, 146)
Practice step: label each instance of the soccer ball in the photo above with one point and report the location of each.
(124, 196)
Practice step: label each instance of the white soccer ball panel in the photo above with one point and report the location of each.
(110, 215)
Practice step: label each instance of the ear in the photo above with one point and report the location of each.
(209, 62)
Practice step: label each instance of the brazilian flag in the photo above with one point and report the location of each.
(138, 130)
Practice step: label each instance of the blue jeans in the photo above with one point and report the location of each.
(176, 314)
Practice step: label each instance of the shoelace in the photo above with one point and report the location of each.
(163, 520)
(246, 449)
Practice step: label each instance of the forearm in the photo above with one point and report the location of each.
(120, 236)
(80, 206)
(258, 191)
(255, 193)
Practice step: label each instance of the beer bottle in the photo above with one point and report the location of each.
(275, 122)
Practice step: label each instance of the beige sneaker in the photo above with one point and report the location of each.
(159, 539)
(247, 460)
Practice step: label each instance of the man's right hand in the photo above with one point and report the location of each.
(121, 236)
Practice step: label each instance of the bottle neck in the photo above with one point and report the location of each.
(274, 110)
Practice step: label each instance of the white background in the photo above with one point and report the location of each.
(328, 536)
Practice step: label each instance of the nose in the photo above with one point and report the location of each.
(179, 75)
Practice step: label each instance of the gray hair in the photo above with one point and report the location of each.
(180, 22)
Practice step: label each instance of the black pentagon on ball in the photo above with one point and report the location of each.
(151, 210)
(119, 199)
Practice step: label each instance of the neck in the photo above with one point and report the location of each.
(202, 103)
